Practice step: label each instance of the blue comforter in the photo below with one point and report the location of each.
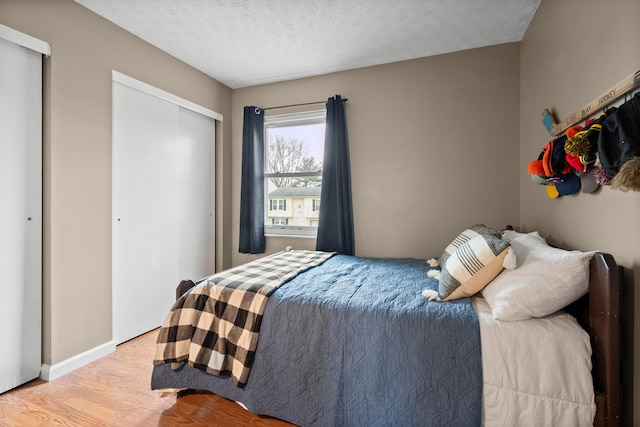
(353, 342)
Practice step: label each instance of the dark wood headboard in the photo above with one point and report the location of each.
(599, 313)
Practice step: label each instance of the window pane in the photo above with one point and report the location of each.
(294, 146)
(295, 149)
(298, 205)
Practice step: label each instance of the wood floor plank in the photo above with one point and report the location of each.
(116, 391)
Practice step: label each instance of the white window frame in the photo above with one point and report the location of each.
(288, 120)
(278, 205)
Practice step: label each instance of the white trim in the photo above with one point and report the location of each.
(50, 373)
(159, 93)
(296, 119)
(24, 40)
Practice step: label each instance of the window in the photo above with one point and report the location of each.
(294, 149)
(277, 205)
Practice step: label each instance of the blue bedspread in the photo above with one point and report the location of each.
(353, 342)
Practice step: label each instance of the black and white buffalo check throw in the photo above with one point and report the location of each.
(214, 327)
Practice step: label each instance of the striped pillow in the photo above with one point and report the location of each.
(472, 266)
(463, 237)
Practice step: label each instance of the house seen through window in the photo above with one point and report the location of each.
(294, 149)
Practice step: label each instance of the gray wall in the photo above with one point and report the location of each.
(574, 51)
(433, 142)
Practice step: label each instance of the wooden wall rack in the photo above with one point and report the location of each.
(627, 85)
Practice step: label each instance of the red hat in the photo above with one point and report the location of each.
(580, 163)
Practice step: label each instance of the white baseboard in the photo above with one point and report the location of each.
(50, 373)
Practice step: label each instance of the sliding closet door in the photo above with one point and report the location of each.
(196, 188)
(20, 213)
(163, 205)
(145, 238)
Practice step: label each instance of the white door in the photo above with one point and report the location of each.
(20, 214)
(163, 198)
(145, 236)
(196, 188)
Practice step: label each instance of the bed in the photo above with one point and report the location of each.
(353, 341)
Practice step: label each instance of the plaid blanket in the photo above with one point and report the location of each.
(214, 327)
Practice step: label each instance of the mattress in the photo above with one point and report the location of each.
(536, 372)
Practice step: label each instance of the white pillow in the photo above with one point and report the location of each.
(509, 235)
(545, 280)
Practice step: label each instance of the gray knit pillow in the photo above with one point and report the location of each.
(463, 237)
(472, 266)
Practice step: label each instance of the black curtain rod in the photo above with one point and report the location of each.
(299, 105)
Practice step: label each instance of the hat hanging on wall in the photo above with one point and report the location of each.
(552, 169)
(601, 176)
(568, 163)
(619, 146)
(588, 181)
(581, 147)
(551, 161)
(552, 191)
(584, 141)
(615, 135)
(568, 184)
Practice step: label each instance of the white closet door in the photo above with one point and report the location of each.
(20, 213)
(163, 205)
(145, 235)
(196, 186)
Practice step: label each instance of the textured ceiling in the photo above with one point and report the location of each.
(248, 42)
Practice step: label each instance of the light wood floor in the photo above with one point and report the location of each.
(115, 391)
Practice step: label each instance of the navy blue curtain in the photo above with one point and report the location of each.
(252, 240)
(335, 224)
